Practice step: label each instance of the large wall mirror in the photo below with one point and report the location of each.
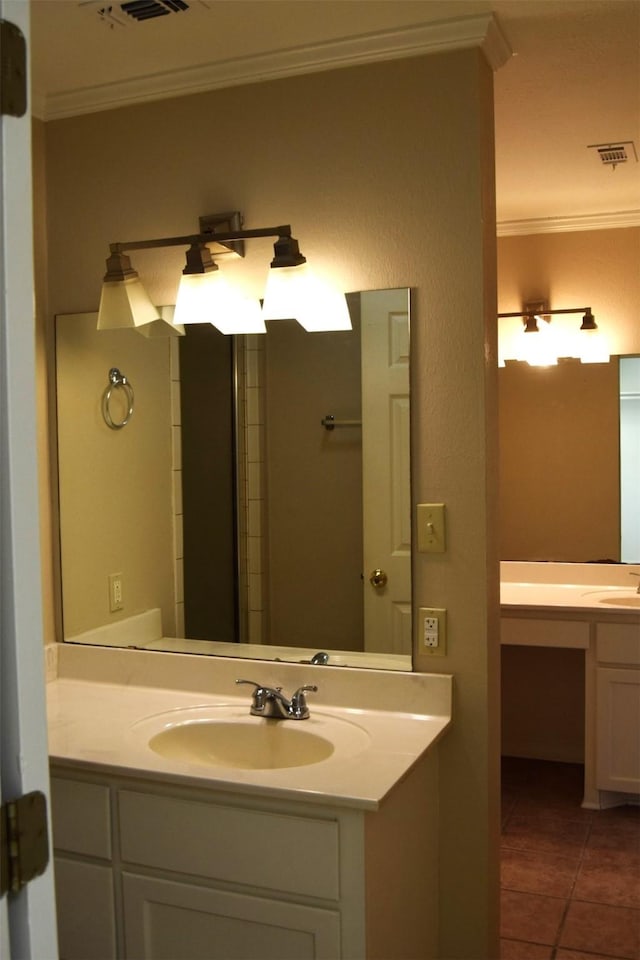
(570, 461)
(257, 502)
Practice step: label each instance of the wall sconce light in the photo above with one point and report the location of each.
(539, 346)
(205, 296)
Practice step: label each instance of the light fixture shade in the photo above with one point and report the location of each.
(125, 303)
(240, 315)
(208, 298)
(295, 293)
(593, 346)
(164, 327)
(196, 298)
(536, 344)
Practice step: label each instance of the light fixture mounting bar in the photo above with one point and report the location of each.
(187, 240)
(526, 313)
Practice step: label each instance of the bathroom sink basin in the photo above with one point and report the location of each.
(225, 735)
(263, 745)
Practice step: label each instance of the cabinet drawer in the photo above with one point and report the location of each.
(81, 817)
(525, 632)
(618, 643)
(279, 852)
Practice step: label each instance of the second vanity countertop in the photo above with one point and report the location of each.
(602, 590)
(107, 725)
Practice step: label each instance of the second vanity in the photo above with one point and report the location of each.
(162, 856)
(592, 608)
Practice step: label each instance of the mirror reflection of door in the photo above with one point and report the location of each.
(386, 472)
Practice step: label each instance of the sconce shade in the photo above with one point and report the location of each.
(164, 327)
(208, 298)
(240, 315)
(536, 343)
(196, 298)
(125, 303)
(593, 347)
(295, 293)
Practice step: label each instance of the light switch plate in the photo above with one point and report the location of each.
(431, 528)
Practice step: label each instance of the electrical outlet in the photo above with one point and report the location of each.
(430, 528)
(116, 601)
(432, 631)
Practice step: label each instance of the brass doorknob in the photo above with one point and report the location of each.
(378, 578)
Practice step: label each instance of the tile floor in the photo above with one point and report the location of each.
(570, 877)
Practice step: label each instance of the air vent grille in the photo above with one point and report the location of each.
(129, 12)
(149, 9)
(611, 154)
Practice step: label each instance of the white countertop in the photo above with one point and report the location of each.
(106, 726)
(600, 598)
(586, 588)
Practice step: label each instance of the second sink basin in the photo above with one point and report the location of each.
(626, 600)
(263, 745)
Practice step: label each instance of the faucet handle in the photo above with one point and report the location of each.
(299, 709)
(258, 694)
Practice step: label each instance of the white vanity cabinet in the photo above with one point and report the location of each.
(81, 815)
(618, 707)
(610, 696)
(151, 870)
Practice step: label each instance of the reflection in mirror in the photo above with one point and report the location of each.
(258, 486)
(562, 444)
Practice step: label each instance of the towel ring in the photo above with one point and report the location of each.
(117, 381)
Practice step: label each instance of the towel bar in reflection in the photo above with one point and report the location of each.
(330, 423)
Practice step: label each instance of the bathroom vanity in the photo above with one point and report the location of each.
(162, 856)
(592, 608)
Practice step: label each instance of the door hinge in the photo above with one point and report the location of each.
(24, 851)
(13, 70)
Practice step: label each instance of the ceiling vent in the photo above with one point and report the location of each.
(131, 11)
(150, 9)
(611, 154)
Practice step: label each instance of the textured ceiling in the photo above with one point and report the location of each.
(574, 79)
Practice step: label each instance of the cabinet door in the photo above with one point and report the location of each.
(165, 920)
(618, 726)
(86, 919)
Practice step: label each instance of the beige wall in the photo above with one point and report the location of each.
(559, 463)
(596, 268)
(386, 173)
(116, 510)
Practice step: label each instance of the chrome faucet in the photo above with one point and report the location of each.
(320, 657)
(269, 702)
(631, 574)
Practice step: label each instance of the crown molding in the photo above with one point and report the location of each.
(481, 31)
(592, 221)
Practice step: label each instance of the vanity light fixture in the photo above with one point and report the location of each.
(205, 296)
(545, 349)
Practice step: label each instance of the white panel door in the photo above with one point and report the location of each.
(386, 470)
(27, 919)
(618, 729)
